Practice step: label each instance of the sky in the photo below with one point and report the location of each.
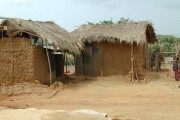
(69, 14)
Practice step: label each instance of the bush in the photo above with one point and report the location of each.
(70, 59)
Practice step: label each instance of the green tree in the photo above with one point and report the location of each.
(105, 22)
(124, 20)
(155, 48)
(167, 42)
(70, 59)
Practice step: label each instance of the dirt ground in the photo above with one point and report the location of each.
(158, 99)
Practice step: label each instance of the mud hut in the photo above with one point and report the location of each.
(114, 49)
(33, 50)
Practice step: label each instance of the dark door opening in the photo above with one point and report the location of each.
(59, 60)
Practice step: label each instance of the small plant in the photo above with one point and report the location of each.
(70, 59)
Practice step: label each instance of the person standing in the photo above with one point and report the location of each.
(175, 69)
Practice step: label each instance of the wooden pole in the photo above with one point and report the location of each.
(135, 69)
(50, 71)
(146, 54)
(102, 61)
(132, 64)
(150, 56)
(82, 63)
(66, 62)
(12, 71)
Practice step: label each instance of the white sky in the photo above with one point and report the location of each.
(165, 14)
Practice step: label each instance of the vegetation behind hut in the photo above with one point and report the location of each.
(106, 22)
(166, 43)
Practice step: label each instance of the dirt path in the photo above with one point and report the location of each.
(159, 99)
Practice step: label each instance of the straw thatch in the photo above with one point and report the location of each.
(130, 32)
(48, 31)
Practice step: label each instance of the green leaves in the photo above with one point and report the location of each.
(124, 20)
(166, 43)
(107, 22)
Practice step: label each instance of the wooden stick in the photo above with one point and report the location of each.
(82, 63)
(12, 71)
(135, 68)
(66, 62)
(132, 65)
(54, 93)
(102, 61)
(146, 54)
(50, 75)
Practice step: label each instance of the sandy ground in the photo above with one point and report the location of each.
(159, 99)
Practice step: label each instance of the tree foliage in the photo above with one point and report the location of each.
(155, 48)
(70, 59)
(167, 42)
(124, 20)
(106, 22)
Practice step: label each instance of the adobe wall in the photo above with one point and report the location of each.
(40, 66)
(89, 62)
(109, 59)
(22, 62)
(116, 58)
(16, 60)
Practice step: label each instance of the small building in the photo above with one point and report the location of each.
(33, 50)
(110, 49)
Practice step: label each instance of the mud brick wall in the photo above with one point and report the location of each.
(140, 62)
(40, 66)
(16, 60)
(22, 62)
(116, 58)
(112, 59)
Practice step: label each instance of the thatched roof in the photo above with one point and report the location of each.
(130, 32)
(48, 31)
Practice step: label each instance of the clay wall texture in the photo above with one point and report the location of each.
(22, 62)
(110, 59)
